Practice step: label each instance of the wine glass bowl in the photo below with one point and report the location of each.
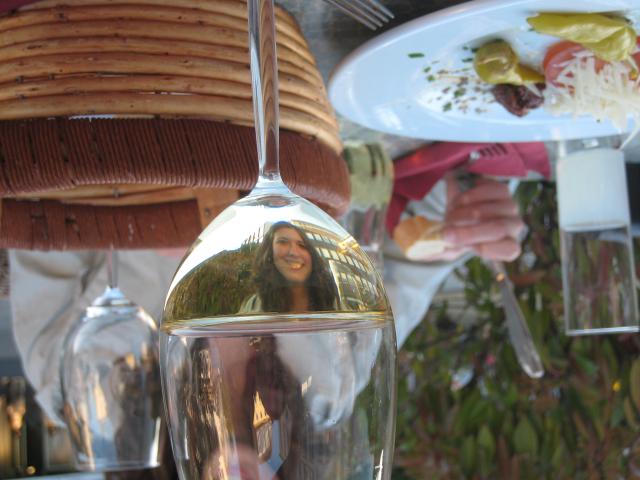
(111, 386)
(222, 261)
(277, 344)
(251, 381)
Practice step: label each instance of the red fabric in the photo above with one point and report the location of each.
(417, 173)
(6, 5)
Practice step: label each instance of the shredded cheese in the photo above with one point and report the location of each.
(607, 94)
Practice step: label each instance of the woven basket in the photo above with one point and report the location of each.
(128, 122)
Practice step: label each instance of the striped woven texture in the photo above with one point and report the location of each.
(96, 93)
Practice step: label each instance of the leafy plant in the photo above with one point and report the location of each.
(581, 420)
(219, 284)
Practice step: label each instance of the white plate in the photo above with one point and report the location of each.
(383, 87)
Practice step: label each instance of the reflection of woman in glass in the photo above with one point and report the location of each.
(289, 275)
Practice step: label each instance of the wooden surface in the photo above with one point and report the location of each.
(186, 58)
(173, 77)
(115, 172)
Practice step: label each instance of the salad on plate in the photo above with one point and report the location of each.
(591, 70)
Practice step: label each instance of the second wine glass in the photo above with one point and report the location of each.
(111, 384)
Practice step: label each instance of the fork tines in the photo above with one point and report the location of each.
(368, 12)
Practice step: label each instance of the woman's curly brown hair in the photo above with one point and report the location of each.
(274, 289)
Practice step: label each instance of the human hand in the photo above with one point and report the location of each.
(484, 220)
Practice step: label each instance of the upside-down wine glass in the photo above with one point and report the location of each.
(277, 341)
(110, 377)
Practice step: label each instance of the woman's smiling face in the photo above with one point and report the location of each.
(290, 255)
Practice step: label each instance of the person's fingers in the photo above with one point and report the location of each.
(447, 255)
(453, 190)
(453, 253)
(484, 192)
(487, 231)
(478, 212)
(505, 250)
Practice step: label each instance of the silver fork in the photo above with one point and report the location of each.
(370, 13)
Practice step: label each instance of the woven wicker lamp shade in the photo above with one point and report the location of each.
(128, 123)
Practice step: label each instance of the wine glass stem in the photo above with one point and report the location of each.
(112, 267)
(264, 83)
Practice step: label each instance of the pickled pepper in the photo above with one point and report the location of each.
(609, 38)
(497, 63)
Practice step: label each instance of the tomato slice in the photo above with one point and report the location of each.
(557, 57)
(560, 53)
(636, 56)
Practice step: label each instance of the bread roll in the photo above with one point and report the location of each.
(419, 238)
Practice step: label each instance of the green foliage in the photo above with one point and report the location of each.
(218, 286)
(578, 422)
